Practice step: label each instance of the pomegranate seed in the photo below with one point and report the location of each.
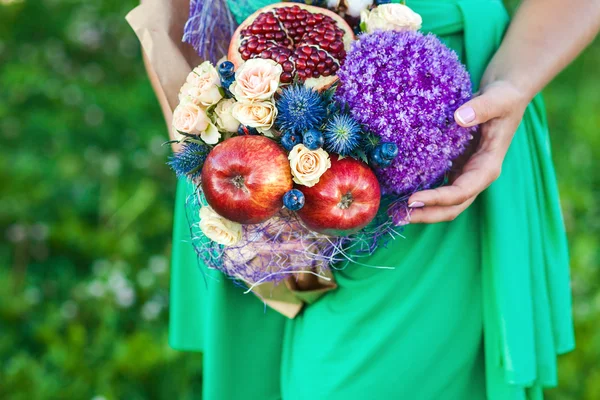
(286, 77)
(327, 72)
(255, 29)
(322, 55)
(281, 58)
(329, 62)
(266, 54)
(336, 46)
(321, 67)
(334, 68)
(306, 50)
(315, 74)
(296, 24)
(262, 40)
(302, 74)
(301, 64)
(295, 9)
(252, 45)
(329, 36)
(287, 66)
(270, 35)
(310, 63)
(246, 54)
(314, 57)
(311, 20)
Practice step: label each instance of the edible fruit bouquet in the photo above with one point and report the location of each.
(305, 143)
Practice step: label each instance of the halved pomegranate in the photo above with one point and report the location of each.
(309, 42)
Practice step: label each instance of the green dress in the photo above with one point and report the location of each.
(476, 308)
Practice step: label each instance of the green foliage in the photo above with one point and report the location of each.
(86, 211)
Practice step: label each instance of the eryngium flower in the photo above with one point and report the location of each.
(299, 109)
(342, 134)
(189, 160)
(405, 87)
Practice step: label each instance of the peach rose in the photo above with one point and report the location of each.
(202, 86)
(390, 17)
(260, 115)
(308, 165)
(256, 80)
(191, 119)
(219, 229)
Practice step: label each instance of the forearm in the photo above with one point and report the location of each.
(543, 38)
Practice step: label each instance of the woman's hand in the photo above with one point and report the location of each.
(498, 109)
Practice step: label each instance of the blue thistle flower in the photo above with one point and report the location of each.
(189, 160)
(299, 109)
(342, 134)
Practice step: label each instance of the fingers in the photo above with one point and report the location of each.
(430, 215)
(490, 104)
(481, 170)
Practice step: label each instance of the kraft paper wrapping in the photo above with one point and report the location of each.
(158, 25)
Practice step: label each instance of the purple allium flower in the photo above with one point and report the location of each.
(405, 87)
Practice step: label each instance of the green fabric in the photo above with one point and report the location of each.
(479, 304)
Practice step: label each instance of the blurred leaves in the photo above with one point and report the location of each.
(86, 211)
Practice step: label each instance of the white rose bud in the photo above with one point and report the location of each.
(308, 165)
(202, 86)
(219, 229)
(260, 115)
(391, 17)
(224, 117)
(256, 80)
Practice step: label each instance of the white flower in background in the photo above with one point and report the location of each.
(260, 115)
(190, 118)
(224, 118)
(219, 229)
(391, 17)
(308, 165)
(256, 80)
(202, 86)
(151, 310)
(96, 288)
(355, 7)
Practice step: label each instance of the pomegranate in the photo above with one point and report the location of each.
(308, 42)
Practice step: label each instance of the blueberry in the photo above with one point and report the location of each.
(226, 69)
(289, 140)
(380, 2)
(376, 158)
(313, 139)
(389, 151)
(293, 200)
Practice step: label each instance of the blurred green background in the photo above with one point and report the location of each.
(86, 209)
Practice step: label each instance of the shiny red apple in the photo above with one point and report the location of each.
(345, 200)
(245, 177)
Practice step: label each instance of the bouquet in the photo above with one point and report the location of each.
(306, 141)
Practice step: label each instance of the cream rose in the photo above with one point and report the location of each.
(219, 229)
(202, 86)
(355, 7)
(190, 118)
(224, 118)
(308, 165)
(260, 115)
(391, 17)
(256, 80)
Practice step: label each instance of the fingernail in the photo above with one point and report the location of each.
(416, 204)
(465, 115)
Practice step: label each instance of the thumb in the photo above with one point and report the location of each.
(478, 110)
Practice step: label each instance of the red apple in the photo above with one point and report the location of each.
(345, 200)
(245, 177)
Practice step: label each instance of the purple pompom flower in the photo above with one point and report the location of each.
(405, 87)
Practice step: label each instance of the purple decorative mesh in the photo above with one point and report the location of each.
(209, 28)
(271, 251)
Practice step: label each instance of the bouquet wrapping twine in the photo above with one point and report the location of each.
(159, 26)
